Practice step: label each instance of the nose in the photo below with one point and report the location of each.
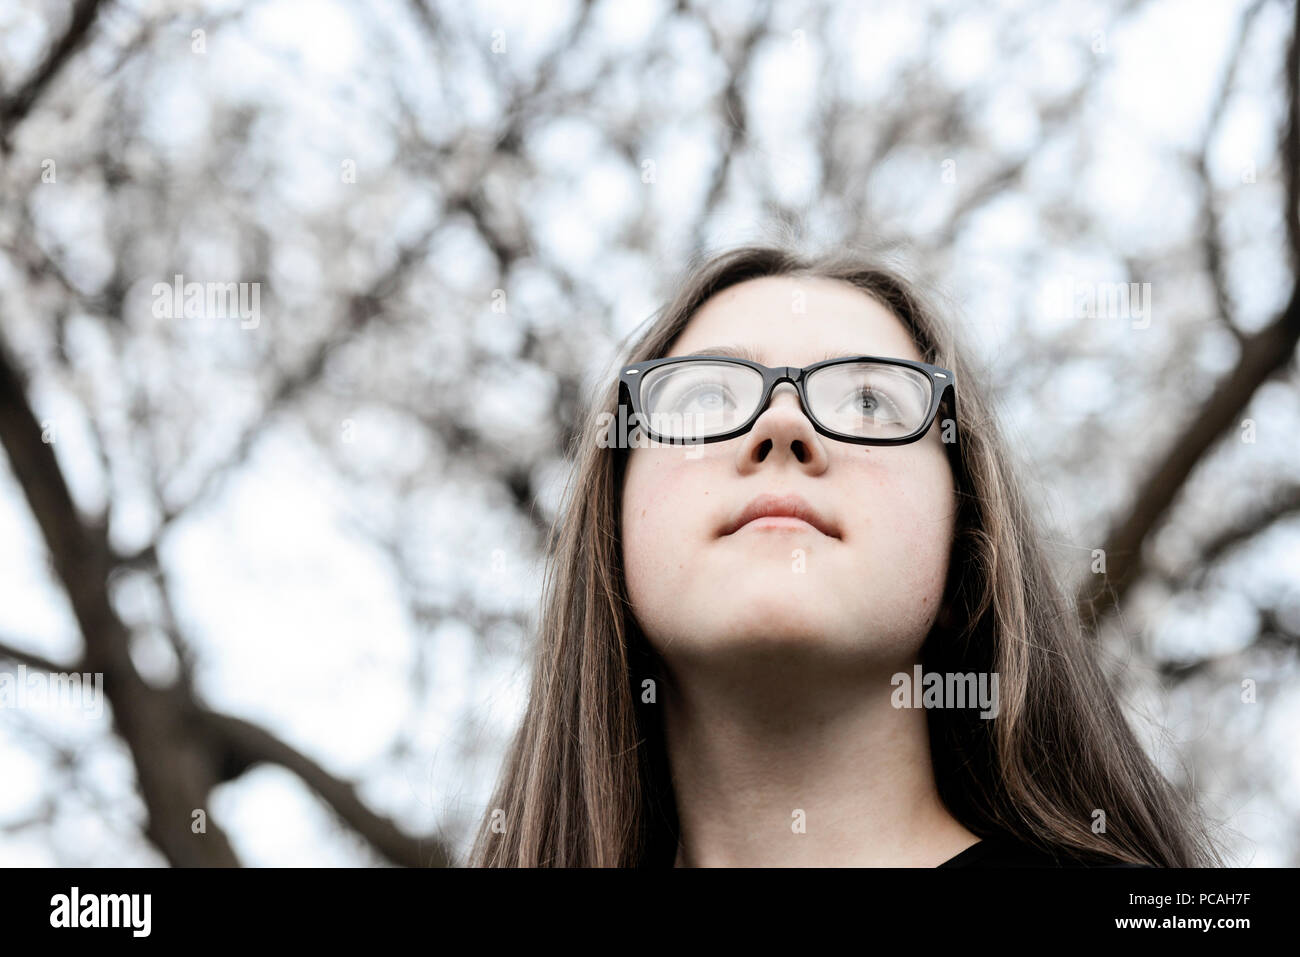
(782, 432)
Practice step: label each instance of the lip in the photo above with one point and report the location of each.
(788, 506)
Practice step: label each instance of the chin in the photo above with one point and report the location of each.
(773, 619)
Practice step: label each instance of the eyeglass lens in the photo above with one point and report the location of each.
(863, 399)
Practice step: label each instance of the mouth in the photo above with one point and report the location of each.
(780, 512)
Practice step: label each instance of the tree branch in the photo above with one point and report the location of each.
(35, 661)
(1211, 228)
(247, 745)
(174, 770)
(19, 103)
(1262, 355)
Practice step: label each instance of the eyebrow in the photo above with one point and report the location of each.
(745, 352)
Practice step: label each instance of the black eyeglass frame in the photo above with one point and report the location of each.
(943, 386)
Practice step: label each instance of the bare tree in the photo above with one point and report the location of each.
(423, 226)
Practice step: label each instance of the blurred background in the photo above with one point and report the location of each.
(298, 301)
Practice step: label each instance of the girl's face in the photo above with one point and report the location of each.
(866, 595)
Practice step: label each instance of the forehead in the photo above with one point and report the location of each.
(784, 320)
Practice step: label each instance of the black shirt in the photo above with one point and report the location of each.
(1003, 852)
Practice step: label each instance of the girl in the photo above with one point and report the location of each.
(732, 628)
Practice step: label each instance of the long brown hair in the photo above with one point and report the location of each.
(586, 782)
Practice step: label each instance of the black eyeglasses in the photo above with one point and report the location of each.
(868, 400)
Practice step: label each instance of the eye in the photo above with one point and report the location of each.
(710, 397)
(869, 403)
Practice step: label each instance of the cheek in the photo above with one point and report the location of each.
(922, 518)
(906, 531)
(661, 512)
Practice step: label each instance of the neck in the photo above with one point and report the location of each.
(796, 773)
